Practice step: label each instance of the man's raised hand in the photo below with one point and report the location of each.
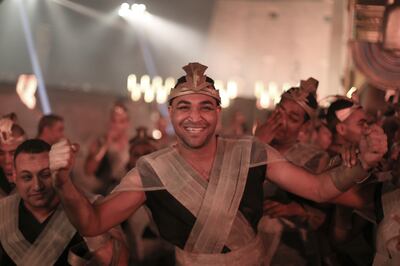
(373, 146)
(62, 156)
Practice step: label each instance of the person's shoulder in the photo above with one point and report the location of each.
(9, 198)
(238, 139)
(156, 156)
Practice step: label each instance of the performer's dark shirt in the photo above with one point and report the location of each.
(175, 222)
(31, 229)
(4, 184)
(378, 203)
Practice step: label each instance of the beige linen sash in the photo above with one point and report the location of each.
(214, 204)
(388, 231)
(49, 245)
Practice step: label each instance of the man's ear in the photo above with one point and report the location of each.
(341, 129)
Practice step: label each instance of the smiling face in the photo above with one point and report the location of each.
(194, 118)
(33, 180)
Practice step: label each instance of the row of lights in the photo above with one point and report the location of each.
(269, 94)
(132, 11)
(155, 89)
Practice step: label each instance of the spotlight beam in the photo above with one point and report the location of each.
(44, 99)
(80, 9)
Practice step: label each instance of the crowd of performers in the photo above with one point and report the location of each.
(312, 185)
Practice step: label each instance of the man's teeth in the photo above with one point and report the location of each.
(194, 129)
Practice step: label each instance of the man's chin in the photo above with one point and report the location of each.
(40, 204)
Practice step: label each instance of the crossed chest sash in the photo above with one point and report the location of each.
(48, 246)
(215, 203)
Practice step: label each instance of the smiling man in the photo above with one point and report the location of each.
(34, 229)
(205, 193)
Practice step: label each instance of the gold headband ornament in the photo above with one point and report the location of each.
(300, 94)
(195, 83)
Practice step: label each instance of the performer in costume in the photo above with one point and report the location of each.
(11, 135)
(205, 193)
(34, 229)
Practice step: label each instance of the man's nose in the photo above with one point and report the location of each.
(195, 115)
(37, 183)
(283, 119)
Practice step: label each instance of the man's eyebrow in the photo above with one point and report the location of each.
(206, 102)
(44, 169)
(25, 172)
(183, 102)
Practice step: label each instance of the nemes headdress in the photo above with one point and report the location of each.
(195, 82)
(300, 94)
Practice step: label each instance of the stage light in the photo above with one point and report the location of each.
(157, 134)
(231, 88)
(124, 10)
(138, 8)
(352, 90)
(131, 82)
(26, 89)
(135, 11)
(265, 100)
(169, 83)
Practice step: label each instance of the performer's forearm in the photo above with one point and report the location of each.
(79, 210)
(318, 188)
(338, 180)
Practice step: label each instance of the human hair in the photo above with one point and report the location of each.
(32, 146)
(183, 80)
(48, 121)
(331, 117)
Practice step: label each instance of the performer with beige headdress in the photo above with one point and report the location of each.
(11, 135)
(205, 193)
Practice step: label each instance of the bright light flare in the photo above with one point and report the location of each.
(232, 89)
(26, 89)
(352, 90)
(136, 11)
(156, 134)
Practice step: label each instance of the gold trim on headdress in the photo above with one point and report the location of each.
(195, 83)
(300, 94)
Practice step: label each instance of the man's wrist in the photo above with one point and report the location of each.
(344, 177)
